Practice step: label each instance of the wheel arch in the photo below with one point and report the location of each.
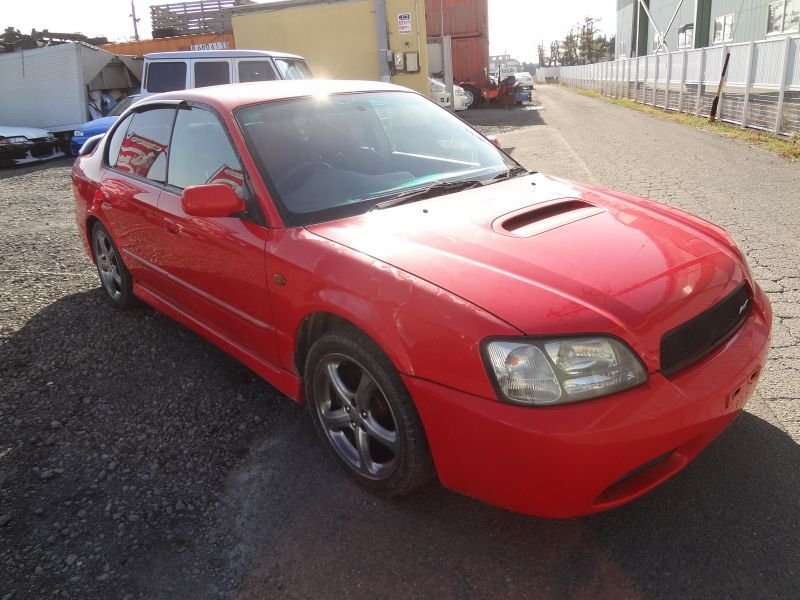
(91, 221)
(320, 322)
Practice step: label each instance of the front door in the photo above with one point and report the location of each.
(217, 266)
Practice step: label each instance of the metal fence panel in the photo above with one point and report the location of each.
(762, 88)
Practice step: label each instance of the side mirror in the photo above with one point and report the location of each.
(90, 144)
(212, 200)
(494, 139)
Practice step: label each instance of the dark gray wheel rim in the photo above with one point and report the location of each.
(356, 416)
(108, 265)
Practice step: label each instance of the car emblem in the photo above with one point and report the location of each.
(744, 306)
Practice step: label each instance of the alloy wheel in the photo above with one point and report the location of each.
(108, 265)
(356, 416)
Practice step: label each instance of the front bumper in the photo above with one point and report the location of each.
(577, 459)
(76, 143)
(30, 152)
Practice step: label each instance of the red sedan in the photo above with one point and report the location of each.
(549, 347)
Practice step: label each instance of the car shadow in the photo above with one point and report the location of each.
(504, 119)
(266, 513)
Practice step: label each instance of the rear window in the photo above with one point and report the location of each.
(208, 72)
(166, 76)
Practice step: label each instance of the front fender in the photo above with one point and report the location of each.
(425, 331)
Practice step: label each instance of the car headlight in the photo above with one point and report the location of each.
(561, 370)
(18, 139)
(77, 133)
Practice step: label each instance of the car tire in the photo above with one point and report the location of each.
(114, 276)
(364, 414)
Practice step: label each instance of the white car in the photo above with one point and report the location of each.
(21, 145)
(439, 95)
(524, 79)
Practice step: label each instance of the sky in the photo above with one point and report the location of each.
(515, 26)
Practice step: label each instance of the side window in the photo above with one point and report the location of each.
(115, 143)
(211, 72)
(143, 149)
(202, 153)
(166, 76)
(292, 68)
(256, 70)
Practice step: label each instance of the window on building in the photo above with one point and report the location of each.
(723, 29)
(657, 42)
(783, 16)
(686, 36)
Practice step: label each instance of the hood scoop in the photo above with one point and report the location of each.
(533, 220)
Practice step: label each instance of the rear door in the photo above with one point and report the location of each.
(136, 162)
(216, 266)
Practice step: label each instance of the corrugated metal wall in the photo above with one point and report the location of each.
(42, 87)
(467, 21)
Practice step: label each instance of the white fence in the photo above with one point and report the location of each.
(762, 89)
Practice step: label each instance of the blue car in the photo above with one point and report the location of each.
(101, 125)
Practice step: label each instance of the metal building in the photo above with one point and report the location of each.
(669, 25)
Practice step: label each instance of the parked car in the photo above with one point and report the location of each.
(524, 79)
(550, 347)
(169, 71)
(21, 145)
(101, 125)
(439, 94)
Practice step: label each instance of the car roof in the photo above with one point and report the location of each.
(189, 54)
(233, 95)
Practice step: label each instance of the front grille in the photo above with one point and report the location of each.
(42, 149)
(688, 343)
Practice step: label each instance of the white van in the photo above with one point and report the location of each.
(170, 71)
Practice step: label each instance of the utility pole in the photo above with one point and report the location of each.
(135, 21)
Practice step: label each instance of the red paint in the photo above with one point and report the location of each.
(429, 281)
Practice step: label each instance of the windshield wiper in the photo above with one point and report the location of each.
(437, 189)
(509, 173)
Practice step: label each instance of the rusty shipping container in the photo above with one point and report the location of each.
(200, 41)
(467, 21)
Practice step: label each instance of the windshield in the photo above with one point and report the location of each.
(335, 156)
(121, 106)
(293, 68)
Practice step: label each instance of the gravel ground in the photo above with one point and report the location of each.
(137, 461)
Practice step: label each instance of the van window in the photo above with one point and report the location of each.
(211, 72)
(165, 76)
(291, 68)
(256, 70)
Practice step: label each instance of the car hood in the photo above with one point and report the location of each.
(31, 133)
(552, 257)
(97, 126)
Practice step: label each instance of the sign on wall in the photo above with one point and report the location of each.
(404, 23)
(211, 46)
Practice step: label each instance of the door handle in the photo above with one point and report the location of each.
(172, 227)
